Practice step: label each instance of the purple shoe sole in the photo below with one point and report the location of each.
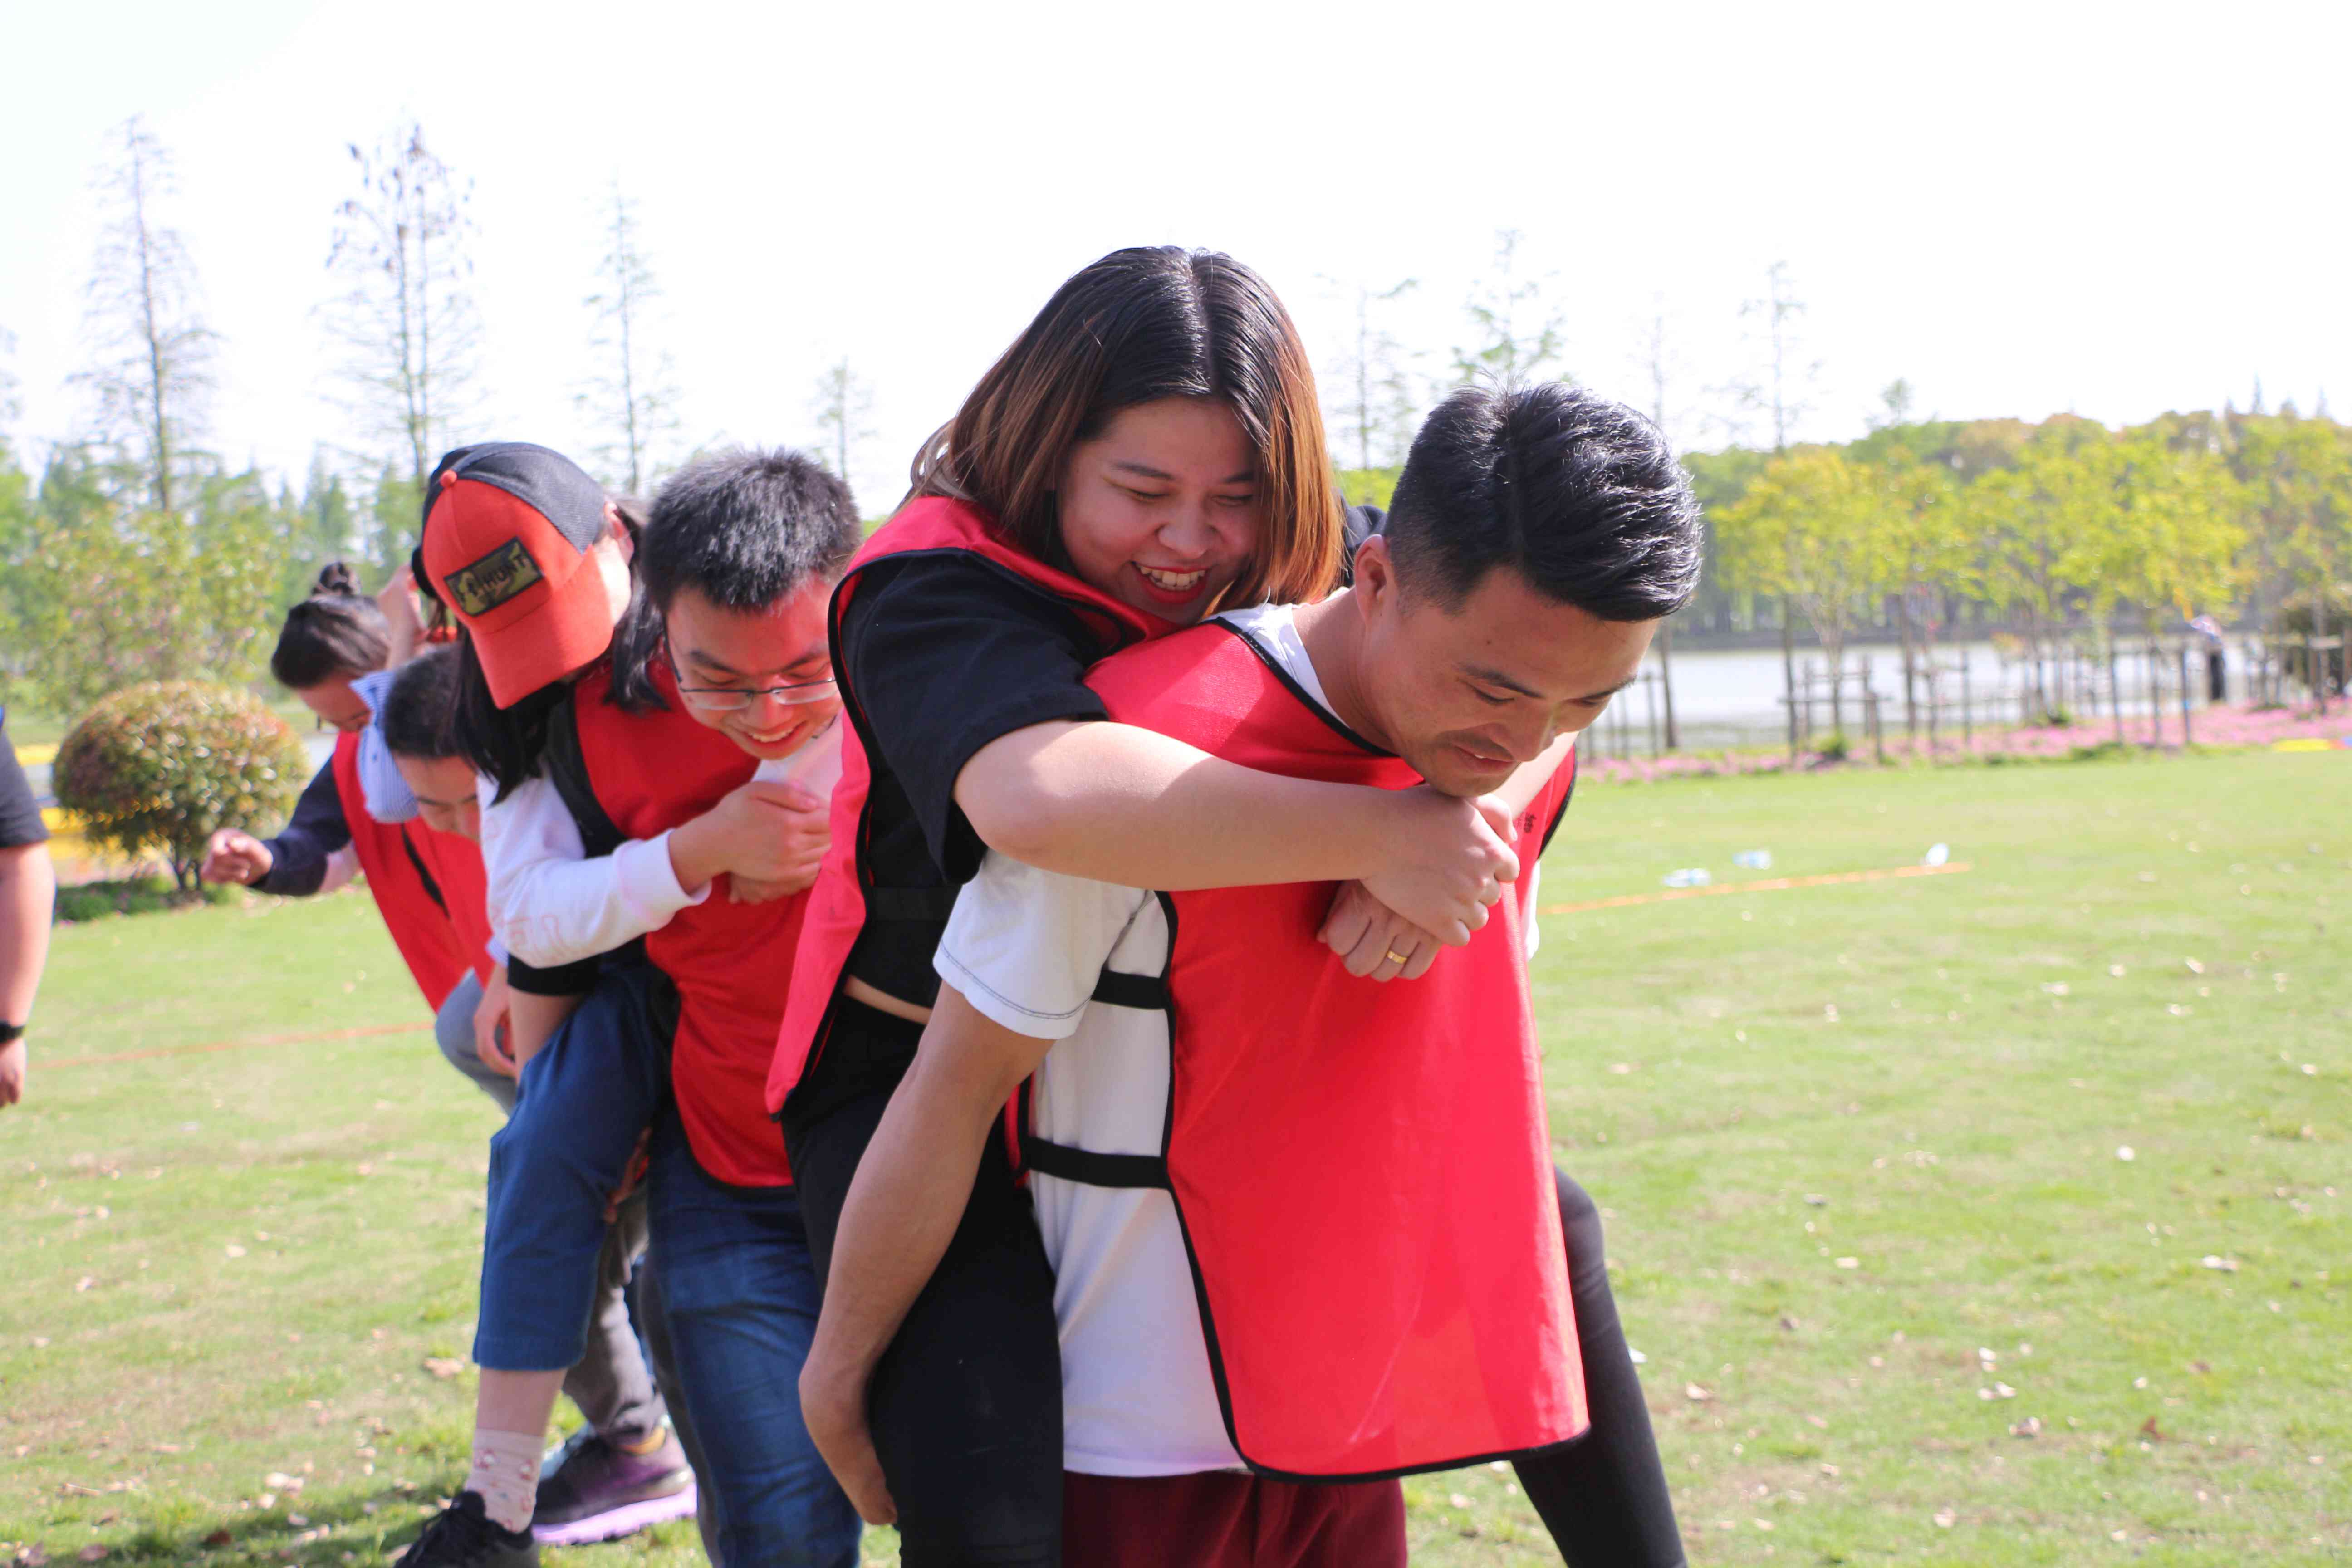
(614, 1523)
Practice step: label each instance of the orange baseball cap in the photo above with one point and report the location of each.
(507, 530)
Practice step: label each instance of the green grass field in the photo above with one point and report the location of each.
(1901, 1294)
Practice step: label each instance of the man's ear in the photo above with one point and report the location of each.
(1376, 579)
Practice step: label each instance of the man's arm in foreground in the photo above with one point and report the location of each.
(1363, 930)
(28, 889)
(902, 1210)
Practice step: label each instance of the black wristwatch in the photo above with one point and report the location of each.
(11, 1033)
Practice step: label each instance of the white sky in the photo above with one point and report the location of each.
(2115, 209)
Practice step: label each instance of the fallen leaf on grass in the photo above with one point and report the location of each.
(33, 1556)
(2200, 1368)
(220, 1537)
(1946, 1518)
(2226, 1265)
(442, 1366)
(2194, 967)
(93, 1552)
(1849, 1263)
(2147, 1428)
(2127, 1153)
(2058, 988)
(233, 1250)
(2028, 1427)
(84, 1283)
(1697, 1393)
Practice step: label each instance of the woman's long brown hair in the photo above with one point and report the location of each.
(1139, 325)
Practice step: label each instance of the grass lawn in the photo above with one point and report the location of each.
(1901, 1293)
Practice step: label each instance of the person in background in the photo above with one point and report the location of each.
(29, 893)
(427, 881)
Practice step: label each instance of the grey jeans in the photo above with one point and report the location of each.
(611, 1384)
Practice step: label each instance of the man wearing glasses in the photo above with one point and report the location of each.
(650, 866)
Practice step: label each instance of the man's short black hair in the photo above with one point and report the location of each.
(1580, 496)
(418, 710)
(744, 529)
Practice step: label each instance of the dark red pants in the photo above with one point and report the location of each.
(1226, 1520)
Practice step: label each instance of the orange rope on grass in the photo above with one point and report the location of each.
(1762, 885)
(51, 1064)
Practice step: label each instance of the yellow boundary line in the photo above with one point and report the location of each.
(1761, 884)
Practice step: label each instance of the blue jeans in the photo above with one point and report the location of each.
(585, 1097)
(740, 1298)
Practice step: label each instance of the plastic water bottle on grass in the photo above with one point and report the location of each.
(1753, 859)
(1688, 876)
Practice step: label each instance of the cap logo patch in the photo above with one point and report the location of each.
(485, 584)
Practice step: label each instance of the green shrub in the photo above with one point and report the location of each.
(162, 764)
(131, 896)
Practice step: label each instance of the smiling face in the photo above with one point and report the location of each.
(782, 645)
(444, 788)
(1466, 694)
(336, 704)
(1163, 509)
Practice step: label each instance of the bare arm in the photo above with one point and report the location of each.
(903, 1208)
(532, 1022)
(28, 889)
(1122, 804)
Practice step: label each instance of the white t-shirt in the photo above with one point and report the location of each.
(1025, 947)
(552, 905)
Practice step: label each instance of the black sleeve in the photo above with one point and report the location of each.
(20, 814)
(574, 979)
(945, 653)
(298, 856)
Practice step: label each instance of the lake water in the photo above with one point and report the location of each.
(1735, 697)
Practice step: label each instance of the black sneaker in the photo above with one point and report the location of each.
(594, 1489)
(465, 1537)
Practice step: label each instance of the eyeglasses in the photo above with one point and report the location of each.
(733, 699)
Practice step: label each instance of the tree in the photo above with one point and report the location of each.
(1924, 546)
(1894, 400)
(406, 319)
(1807, 529)
(2298, 479)
(150, 370)
(1377, 413)
(1783, 388)
(1520, 336)
(115, 593)
(321, 526)
(2045, 529)
(632, 397)
(1661, 367)
(842, 404)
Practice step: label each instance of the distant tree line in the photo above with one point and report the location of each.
(136, 553)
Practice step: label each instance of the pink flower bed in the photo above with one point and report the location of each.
(2217, 727)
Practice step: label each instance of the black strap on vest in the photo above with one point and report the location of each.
(1145, 992)
(432, 888)
(931, 905)
(567, 770)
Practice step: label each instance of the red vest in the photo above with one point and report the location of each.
(837, 904)
(731, 962)
(1363, 1172)
(429, 886)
